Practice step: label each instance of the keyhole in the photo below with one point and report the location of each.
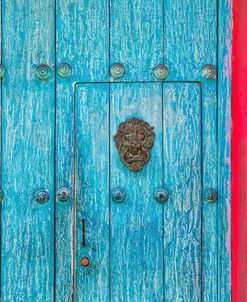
(83, 223)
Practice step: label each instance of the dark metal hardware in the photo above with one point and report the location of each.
(63, 194)
(117, 71)
(43, 72)
(161, 72)
(42, 196)
(2, 71)
(211, 195)
(161, 195)
(134, 140)
(85, 261)
(2, 195)
(64, 70)
(118, 195)
(209, 72)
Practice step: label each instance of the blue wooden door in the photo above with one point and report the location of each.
(113, 150)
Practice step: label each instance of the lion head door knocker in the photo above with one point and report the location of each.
(134, 140)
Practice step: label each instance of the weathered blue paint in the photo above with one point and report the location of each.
(58, 132)
(27, 272)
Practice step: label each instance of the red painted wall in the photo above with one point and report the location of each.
(239, 156)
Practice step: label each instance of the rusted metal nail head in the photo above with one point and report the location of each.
(85, 261)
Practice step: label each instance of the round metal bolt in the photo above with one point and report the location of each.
(42, 196)
(161, 195)
(43, 72)
(2, 195)
(118, 195)
(63, 194)
(2, 71)
(64, 70)
(209, 72)
(85, 261)
(211, 195)
(117, 71)
(161, 72)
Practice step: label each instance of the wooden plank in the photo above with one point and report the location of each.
(27, 151)
(224, 150)
(190, 37)
(81, 44)
(239, 152)
(137, 223)
(136, 36)
(92, 192)
(183, 179)
(83, 38)
(190, 43)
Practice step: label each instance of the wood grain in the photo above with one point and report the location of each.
(136, 224)
(27, 152)
(92, 192)
(183, 180)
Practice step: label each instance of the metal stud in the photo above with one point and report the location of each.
(63, 194)
(43, 72)
(42, 196)
(118, 195)
(209, 72)
(161, 72)
(117, 71)
(161, 195)
(211, 195)
(2, 71)
(64, 70)
(2, 195)
(85, 261)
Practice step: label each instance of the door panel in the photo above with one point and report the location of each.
(27, 243)
(136, 224)
(190, 37)
(136, 31)
(139, 249)
(183, 177)
(92, 192)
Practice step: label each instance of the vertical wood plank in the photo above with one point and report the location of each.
(190, 37)
(92, 192)
(136, 36)
(190, 42)
(27, 152)
(80, 43)
(182, 177)
(83, 38)
(224, 149)
(137, 223)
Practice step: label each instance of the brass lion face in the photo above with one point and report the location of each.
(134, 140)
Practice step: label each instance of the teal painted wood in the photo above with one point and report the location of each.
(190, 42)
(183, 179)
(27, 273)
(85, 48)
(136, 257)
(83, 38)
(92, 192)
(224, 149)
(209, 213)
(190, 37)
(136, 33)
